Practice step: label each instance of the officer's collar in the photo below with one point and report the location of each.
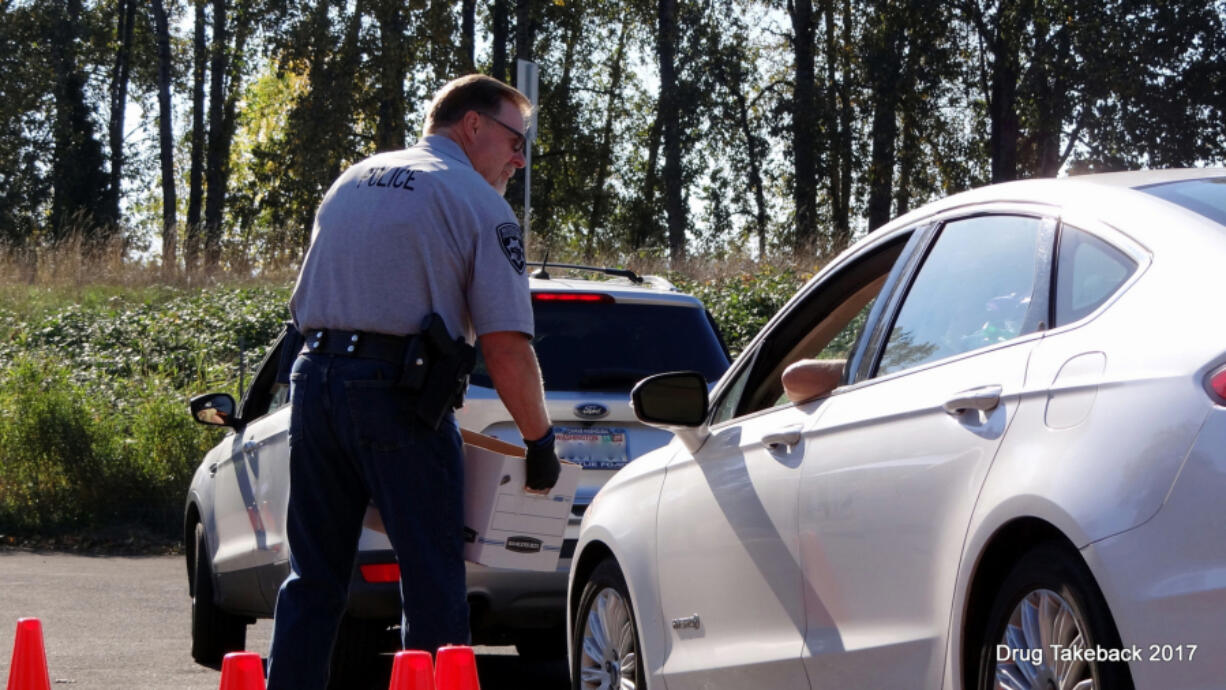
(445, 147)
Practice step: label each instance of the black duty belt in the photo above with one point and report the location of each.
(328, 341)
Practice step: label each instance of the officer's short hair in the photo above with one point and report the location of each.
(472, 92)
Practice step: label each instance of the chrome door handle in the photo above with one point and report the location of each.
(983, 398)
(788, 438)
(250, 446)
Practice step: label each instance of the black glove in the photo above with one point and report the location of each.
(542, 463)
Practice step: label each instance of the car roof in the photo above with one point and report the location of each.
(1077, 190)
(621, 289)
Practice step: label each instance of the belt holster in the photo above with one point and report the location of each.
(447, 364)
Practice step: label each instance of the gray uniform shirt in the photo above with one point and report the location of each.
(410, 232)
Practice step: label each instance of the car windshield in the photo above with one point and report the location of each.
(611, 346)
(1205, 196)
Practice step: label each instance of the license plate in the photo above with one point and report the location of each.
(596, 448)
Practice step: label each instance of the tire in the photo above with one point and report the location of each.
(542, 645)
(606, 640)
(357, 661)
(214, 631)
(1048, 598)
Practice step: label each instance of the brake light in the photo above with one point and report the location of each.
(1217, 384)
(571, 297)
(381, 572)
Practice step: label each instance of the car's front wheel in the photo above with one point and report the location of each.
(1046, 614)
(214, 631)
(606, 640)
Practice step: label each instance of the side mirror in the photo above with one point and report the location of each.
(675, 399)
(215, 409)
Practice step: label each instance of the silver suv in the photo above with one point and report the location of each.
(594, 338)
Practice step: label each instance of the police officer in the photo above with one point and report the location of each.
(400, 236)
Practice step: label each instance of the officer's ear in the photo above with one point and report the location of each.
(470, 123)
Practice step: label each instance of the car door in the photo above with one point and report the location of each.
(894, 465)
(251, 486)
(730, 574)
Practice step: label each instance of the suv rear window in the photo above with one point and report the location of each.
(611, 346)
(1205, 196)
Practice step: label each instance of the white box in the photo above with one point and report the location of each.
(504, 526)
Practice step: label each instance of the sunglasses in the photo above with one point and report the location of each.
(520, 139)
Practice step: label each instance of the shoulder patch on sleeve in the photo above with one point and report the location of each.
(511, 239)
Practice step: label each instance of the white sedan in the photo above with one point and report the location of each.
(999, 461)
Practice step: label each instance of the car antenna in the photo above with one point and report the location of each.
(541, 273)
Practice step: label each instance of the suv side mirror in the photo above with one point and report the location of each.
(675, 399)
(215, 409)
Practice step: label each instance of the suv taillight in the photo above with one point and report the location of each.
(571, 297)
(380, 572)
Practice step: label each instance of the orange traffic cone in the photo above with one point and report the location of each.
(242, 671)
(29, 668)
(457, 669)
(412, 670)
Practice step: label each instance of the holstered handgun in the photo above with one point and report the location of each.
(446, 375)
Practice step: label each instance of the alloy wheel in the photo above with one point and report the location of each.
(609, 653)
(1042, 637)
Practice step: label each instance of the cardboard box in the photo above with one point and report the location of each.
(504, 526)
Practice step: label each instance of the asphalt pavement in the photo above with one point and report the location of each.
(124, 622)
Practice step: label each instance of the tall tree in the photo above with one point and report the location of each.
(804, 126)
(166, 141)
(217, 159)
(604, 160)
(195, 197)
(670, 116)
(468, 52)
(393, 66)
(498, 40)
(79, 185)
(121, 73)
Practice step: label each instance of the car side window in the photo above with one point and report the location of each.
(1088, 272)
(826, 324)
(973, 290)
(266, 394)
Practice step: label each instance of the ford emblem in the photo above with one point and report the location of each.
(591, 410)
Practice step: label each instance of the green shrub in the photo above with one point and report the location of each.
(741, 304)
(94, 429)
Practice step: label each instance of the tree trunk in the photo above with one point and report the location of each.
(195, 196)
(670, 111)
(842, 212)
(525, 31)
(884, 71)
(1004, 124)
(78, 195)
(393, 61)
(755, 170)
(645, 226)
(599, 194)
(468, 52)
(804, 127)
(216, 163)
(125, 17)
(166, 142)
(498, 49)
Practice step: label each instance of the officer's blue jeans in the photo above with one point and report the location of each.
(354, 438)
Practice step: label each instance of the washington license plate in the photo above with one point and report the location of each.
(595, 448)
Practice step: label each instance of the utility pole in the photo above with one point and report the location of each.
(526, 77)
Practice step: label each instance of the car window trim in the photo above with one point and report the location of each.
(265, 376)
(748, 361)
(1049, 220)
(872, 340)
